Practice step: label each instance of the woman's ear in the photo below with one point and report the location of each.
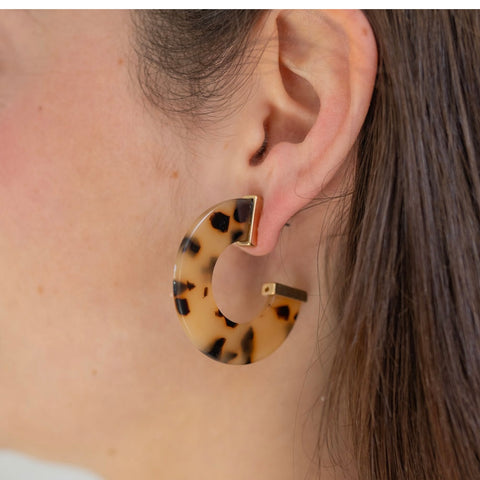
(315, 81)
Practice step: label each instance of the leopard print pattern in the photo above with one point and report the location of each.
(207, 327)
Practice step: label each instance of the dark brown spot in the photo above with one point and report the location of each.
(216, 349)
(211, 265)
(236, 235)
(220, 221)
(243, 210)
(230, 324)
(227, 356)
(205, 292)
(190, 244)
(182, 306)
(247, 344)
(180, 287)
(283, 312)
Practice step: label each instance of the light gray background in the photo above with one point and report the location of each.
(15, 466)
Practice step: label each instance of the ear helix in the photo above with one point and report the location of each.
(232, 221)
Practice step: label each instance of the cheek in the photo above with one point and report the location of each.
(91, 210)
(88, 236)
(32, 187)
(65, 162)
(37, 166)
(85, 203)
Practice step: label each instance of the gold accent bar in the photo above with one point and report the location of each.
(284, 291)
(256, 211)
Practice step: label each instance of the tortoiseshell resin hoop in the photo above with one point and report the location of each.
(233, 221)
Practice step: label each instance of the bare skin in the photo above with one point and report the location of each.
(96, 192)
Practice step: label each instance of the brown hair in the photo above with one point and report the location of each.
(408, 363)
(191, 61)
(407, 366)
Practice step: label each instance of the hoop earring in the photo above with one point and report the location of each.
(233, 221)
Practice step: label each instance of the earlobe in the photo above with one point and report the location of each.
(318, 96)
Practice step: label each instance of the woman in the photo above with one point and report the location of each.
(360, 133)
